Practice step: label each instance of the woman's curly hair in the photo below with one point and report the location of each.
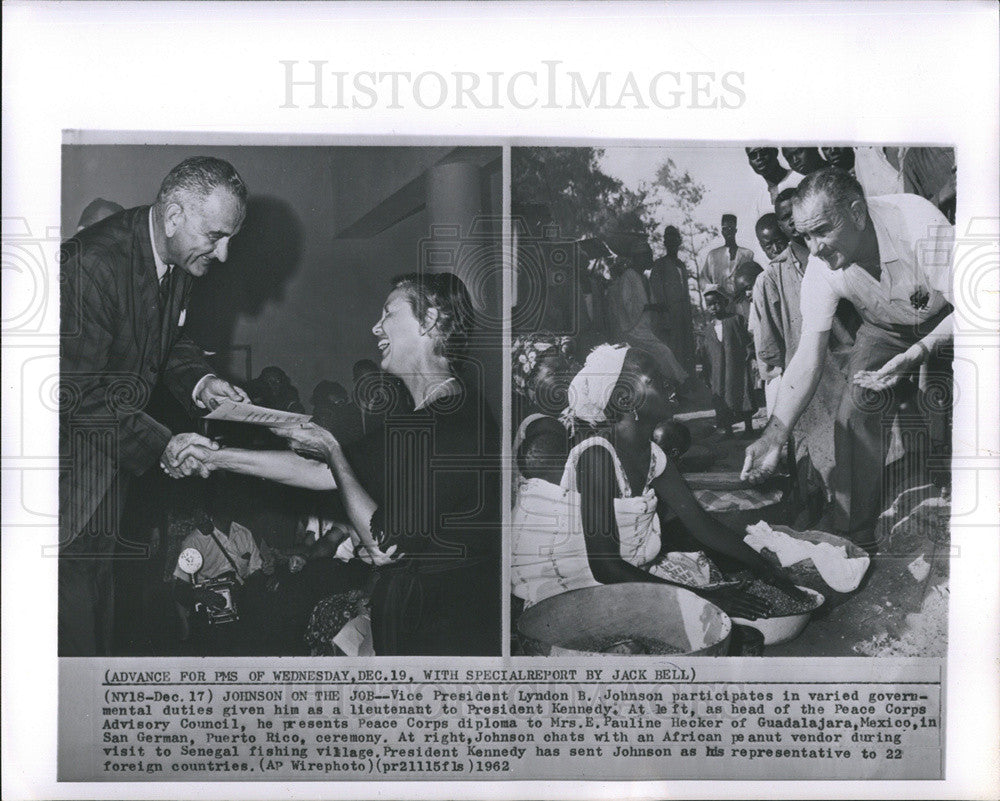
(448, 296)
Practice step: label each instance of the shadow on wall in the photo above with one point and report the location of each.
(263, 257)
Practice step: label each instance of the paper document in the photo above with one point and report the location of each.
(257, 415)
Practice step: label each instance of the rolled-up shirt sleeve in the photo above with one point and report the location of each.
(819, 300)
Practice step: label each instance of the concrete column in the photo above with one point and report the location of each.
(454, 195)
(454, 199)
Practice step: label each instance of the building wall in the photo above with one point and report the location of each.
(300, 298)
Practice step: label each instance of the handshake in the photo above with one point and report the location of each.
(189, 454)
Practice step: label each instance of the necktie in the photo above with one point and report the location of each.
(165, 290)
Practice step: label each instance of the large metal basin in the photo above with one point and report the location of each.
(658, 612)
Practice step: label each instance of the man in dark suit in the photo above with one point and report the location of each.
(125, 288)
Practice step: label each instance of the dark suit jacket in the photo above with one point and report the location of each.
(116, 343)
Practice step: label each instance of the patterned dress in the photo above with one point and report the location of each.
(549, 549)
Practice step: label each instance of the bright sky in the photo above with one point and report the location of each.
(730, 184)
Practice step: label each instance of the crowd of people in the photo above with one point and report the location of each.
(832, 342)
(372, 528)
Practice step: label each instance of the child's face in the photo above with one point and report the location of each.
(785, 221)
(549, 387)
(716, 305)
(772, 241)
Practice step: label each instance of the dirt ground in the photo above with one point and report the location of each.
(901, 608)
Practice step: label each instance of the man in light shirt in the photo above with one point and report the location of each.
(891, 258)
(720, 263)
(232, 579)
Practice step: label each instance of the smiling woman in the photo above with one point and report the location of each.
(423, 330)
(432, 523)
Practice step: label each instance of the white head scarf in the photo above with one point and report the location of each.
(590, 391)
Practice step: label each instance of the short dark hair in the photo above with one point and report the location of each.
(200, 175)
(672, 436)
(747, 269)
(728, 216)
(786, 194)
(772, 150)
(447, 295)
(97, 210)
(671, 229)
(836, 184)
(769, 220)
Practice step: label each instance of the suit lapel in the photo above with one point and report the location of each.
(145, 286)
(156, 324)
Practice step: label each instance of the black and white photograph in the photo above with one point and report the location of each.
(732, 383)
(508, 400)
(279, 434)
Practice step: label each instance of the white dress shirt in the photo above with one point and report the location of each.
(915, 244)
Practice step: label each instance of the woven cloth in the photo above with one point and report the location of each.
(736, 500)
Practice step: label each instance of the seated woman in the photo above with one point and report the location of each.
(319, 583)
(601, 526)
(439, 594)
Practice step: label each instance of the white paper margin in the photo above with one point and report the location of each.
(918, 72)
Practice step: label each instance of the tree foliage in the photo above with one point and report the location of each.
(581, 198)
(684, 194)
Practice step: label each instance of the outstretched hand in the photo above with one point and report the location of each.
(376, 556)
(308, 439)
(777, 577)
(762, 458)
